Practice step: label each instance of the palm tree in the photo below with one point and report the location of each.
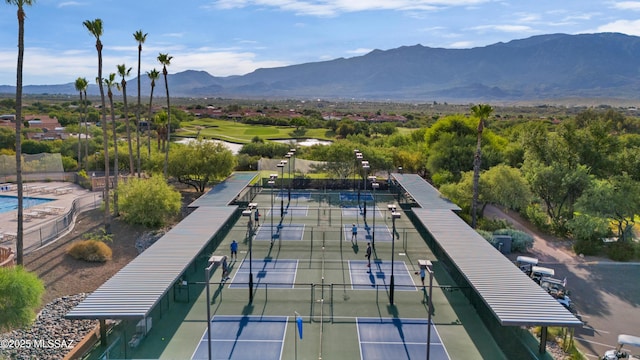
(482, 112)
(21, 16)
(110, 82)
(81, 85)
(140, 38)
(153, 76)
(124, 72)
(85, 85)
(165, 60)
(95, 28)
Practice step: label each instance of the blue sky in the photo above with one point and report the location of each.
(235, 37)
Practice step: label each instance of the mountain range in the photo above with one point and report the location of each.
(601, 65)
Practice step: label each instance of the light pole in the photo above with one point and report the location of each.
(374, 186)
(288, 156)
(293, 154)
(355, 167)
(207, 274)
(365, 168)
(281, 166)
(272, 182)
(430, 307)
(247, 214)
(394, 215)
(355, 172)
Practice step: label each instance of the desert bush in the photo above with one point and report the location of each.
(149, 202)
(537, 216)
(621, 251)
(90, 250)
(520, 240)
(493, 224)
(20, 294)
(99, 235)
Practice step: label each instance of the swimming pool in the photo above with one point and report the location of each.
(10, 203)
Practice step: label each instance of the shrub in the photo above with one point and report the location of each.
(587, 246)
(520, 240)
(90, 250)
(493, 224)
(149, 202)
(621, 251)
(20, 294)
(538, 217)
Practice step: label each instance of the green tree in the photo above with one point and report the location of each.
(20, 295)
(616, 199)
(153, 76)
(21, 16)
(110, 82)
(149, 202)
(165, 60)
(482, 112)
(200, 163)
(95, 28)
(124, 72)
(554, 174)
(140, 37)
(505, 186)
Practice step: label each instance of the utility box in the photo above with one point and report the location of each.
(502, 243)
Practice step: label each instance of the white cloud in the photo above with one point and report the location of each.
(629, 27)
(461, 45)
(627, 5)
(359, 51)
(70, 3)
(503, 28)
(325, 8)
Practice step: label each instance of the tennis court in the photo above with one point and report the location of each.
(280, 273)
(398, 338)
(243, 337)
(379, 275)
(286, 232)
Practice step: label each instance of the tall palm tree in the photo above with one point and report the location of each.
(140, 38)
(153, 76)
(81, 85)
(165, 60)
(21, 16)
(124, 72)
(86, 124)
(95, 28)
(110, 82)
(482, 112)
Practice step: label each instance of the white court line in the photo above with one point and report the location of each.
(593, 342)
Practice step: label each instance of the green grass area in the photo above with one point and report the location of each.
(242, 133)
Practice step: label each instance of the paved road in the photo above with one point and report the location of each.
(606, 294)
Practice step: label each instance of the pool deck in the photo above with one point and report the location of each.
(62, 195)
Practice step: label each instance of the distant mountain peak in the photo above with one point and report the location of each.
(601, 65)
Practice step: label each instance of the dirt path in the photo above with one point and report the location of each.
(546, 248)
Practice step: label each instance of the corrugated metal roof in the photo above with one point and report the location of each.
(512, 296)
(225, 192)
(137, 288)
(423, 193)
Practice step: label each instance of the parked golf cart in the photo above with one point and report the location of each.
(525, 263)
(558, 290)
(538, 272)
(617, 353)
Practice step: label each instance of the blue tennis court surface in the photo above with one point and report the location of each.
(277, 273)
(365, 233)
(397, 338)
(353, 196)
(288, 210)
(363, 278)
(281, 232)
(244, 337)
(294, 195)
